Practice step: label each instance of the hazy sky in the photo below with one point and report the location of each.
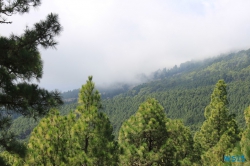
(114, 40)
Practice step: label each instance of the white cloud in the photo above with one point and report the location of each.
(115, 40)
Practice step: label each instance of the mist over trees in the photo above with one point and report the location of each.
(182, 96)
(170, 119)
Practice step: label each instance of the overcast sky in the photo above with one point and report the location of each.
(114, 40)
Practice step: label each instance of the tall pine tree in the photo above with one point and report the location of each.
(93, 129)
(89, 96)
(52, 142)
(20, 62)
(219, 132)
(143, 136)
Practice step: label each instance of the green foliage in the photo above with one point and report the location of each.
(149, 138)
(184, 94)
(146, 138)
(93, 129)
(52, 141)
(81, 138)
(76, 139)
(182, 141)
(10, 159)
(17, 95)
(245, 139)
(142, 137)
(184, 91)
(93, 132)
(105, 91)
(219, 132)
(88, 97)
(23, 126)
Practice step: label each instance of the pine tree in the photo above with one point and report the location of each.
(93, 132)
(150, 138)
(14, 7)
(93, 129)
(219, 132)
(181, 141)
(52, 142)
(88, 96)
(11, 159)
(143, 135)
(20, 62)
(245, 140)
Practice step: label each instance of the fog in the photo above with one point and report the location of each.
(116, 40)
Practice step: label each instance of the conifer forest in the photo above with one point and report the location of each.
(194, 114)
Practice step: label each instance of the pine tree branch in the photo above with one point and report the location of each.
(17, 6)
(43, 33)
(29, 100)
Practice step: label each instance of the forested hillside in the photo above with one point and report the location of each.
(183, 91)
(149, 137)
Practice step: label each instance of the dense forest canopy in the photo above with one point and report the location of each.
(85, 136)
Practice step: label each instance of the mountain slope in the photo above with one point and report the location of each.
(185, 91)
